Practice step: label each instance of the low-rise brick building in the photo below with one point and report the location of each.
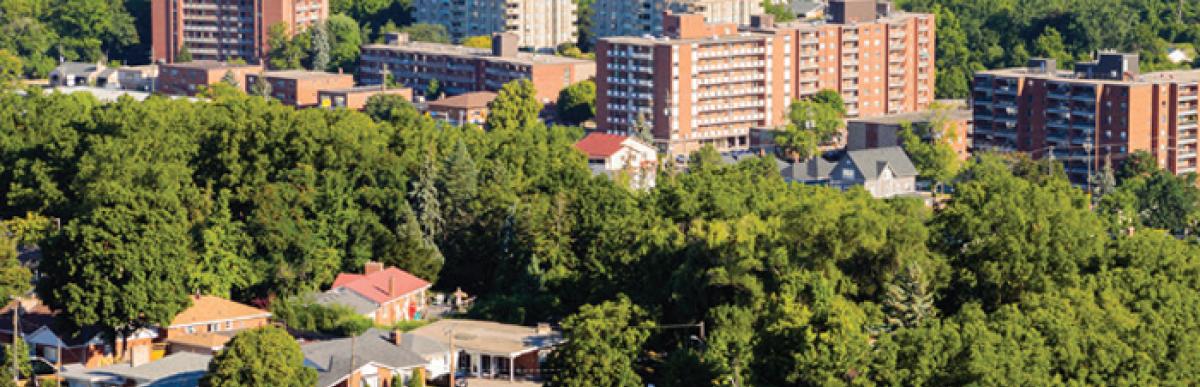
(192, 77)
(299, 87)
(355, 98)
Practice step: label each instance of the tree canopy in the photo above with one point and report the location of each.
(258, 357)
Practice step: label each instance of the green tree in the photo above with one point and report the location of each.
(955, 65)
(184, 55)
(909, 301)
(516, 107)
(781, 11)
(261, 87)
(1050, 45)
(577, 103)
(602, 343)
(230, 79)
(346, 41)
(10, 70)
(260, 356)
(426, 32)
(426, 199)
(812, 123)
(929, 146)
(286, 52)
(481, 41)
(433, 90)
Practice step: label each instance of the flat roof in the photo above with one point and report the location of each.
(911, 117)
(895, 16)
(1182, 76)
(476, 99)
(743, 36)
(209, 65)
(366, 89)
(488, 337)
(304, 74)
(469, 52)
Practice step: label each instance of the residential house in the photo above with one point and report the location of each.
(492, 349)
(355, 98)
(611, 154)
(435, 354)
(461, 109)
(211, 322)
(372, 359)
(176, 370)
(51, 338)
(386, 295)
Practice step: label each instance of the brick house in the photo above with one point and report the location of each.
(50, 338)
(209, 323)
(385, 295)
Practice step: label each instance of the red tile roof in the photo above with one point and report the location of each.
(375, 286)
(601, 144)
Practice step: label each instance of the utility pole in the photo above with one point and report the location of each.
(453, 359)
(16, 332)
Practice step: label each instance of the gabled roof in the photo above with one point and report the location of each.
(811, 170)
(208, 309)
(601, 145)
(871, 162)
(332, 359)
(377, 286)
(348, 298)
(183, 368)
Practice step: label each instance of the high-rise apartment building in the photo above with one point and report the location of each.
(881, 62)
(702, 84)
(645, 17)
(460, 69)
(541, 25)
(1100, 112)
(226, 29)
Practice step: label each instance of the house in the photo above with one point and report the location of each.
(355, 98)
(884, 172)
(485, 348)
(372, 359)
(211, 322)
(385, 295)
(50, 337)
(611, 154)
(84, 74)
(463, 108)
(884, 131)
(177, 370)
(435, 354)
(814, 171)
(1178, 55)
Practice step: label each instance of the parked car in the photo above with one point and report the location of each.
(460, 380)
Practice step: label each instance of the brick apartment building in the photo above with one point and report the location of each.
(611, 18)
(460, 69)
(880, 60)
(355, 98)
(540, 25)
(1103, 110)
(711, 84)
(299, 87)
(701, 84)
(226, 29)
(192, 77)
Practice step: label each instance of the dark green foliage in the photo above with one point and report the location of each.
(305, 316)
(184, 55)
(516, 106)
(260, 357)
(605, 342)
(781, 11)
(577, 103)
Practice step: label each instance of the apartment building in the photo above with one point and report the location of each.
(226, 29)
(880, 60)
(192, 77)
(884, 131)
(540, 25)
(645, 17)
(1103, 110)
(299, 87)
(701, 84)
(461, 69)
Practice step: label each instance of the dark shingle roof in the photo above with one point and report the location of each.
(332, 359)
(814, 169)
(358, 303)
(871, 162)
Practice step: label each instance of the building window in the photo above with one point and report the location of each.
(190, 329)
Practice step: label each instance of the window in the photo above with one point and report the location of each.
(190, 329)
(229, 325)
(214, 327)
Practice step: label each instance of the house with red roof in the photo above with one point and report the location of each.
(384, 294)
(616, 155)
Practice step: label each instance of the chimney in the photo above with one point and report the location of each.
(543, 329)
(391, 286)
(762, 21)
(504, 44)
(395, 38)
(372, 267)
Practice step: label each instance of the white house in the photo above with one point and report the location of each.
(612, 155)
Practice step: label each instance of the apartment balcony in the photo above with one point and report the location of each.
(1058, 138)
(728, 119)
(731, 53)
(1186, 140)
(1008, 122)
(1186, 125)
(849, 62)
(1088, 114)
(731, 106)
(850, 50)
(726, 80)
(731, 92)
(1186, 154)
(897, 33)
(895, 47)
(850, 37)
(896, 59)
(1184, 98)
(981, 115)
(1058, 124)
(1084, 97)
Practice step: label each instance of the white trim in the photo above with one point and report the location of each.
(264, 315)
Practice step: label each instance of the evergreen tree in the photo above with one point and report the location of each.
(320, 45)
(908, 301)
(426, 199)
(261, 87)
(460, 183)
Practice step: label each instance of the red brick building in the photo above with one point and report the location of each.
(192, 77)
(355, 98)
(884, 131)
(385, 295)
(211, 322)
(225, 29)
(1103, 110)
(299, 87)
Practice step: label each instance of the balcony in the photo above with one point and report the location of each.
(850, 37)
(1087, 97)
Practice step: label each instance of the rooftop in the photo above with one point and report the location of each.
(473, 100)
(366, 89)
(1183, 76)
(208, 65)
(206, 309)
(470, 52)
(488, 337)
(871, 162)
(601, 145)
(334, 360)
(214, 340)
(304, 74)
(738, 37)
(381, 286)
(911, 117)
(183, 368)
